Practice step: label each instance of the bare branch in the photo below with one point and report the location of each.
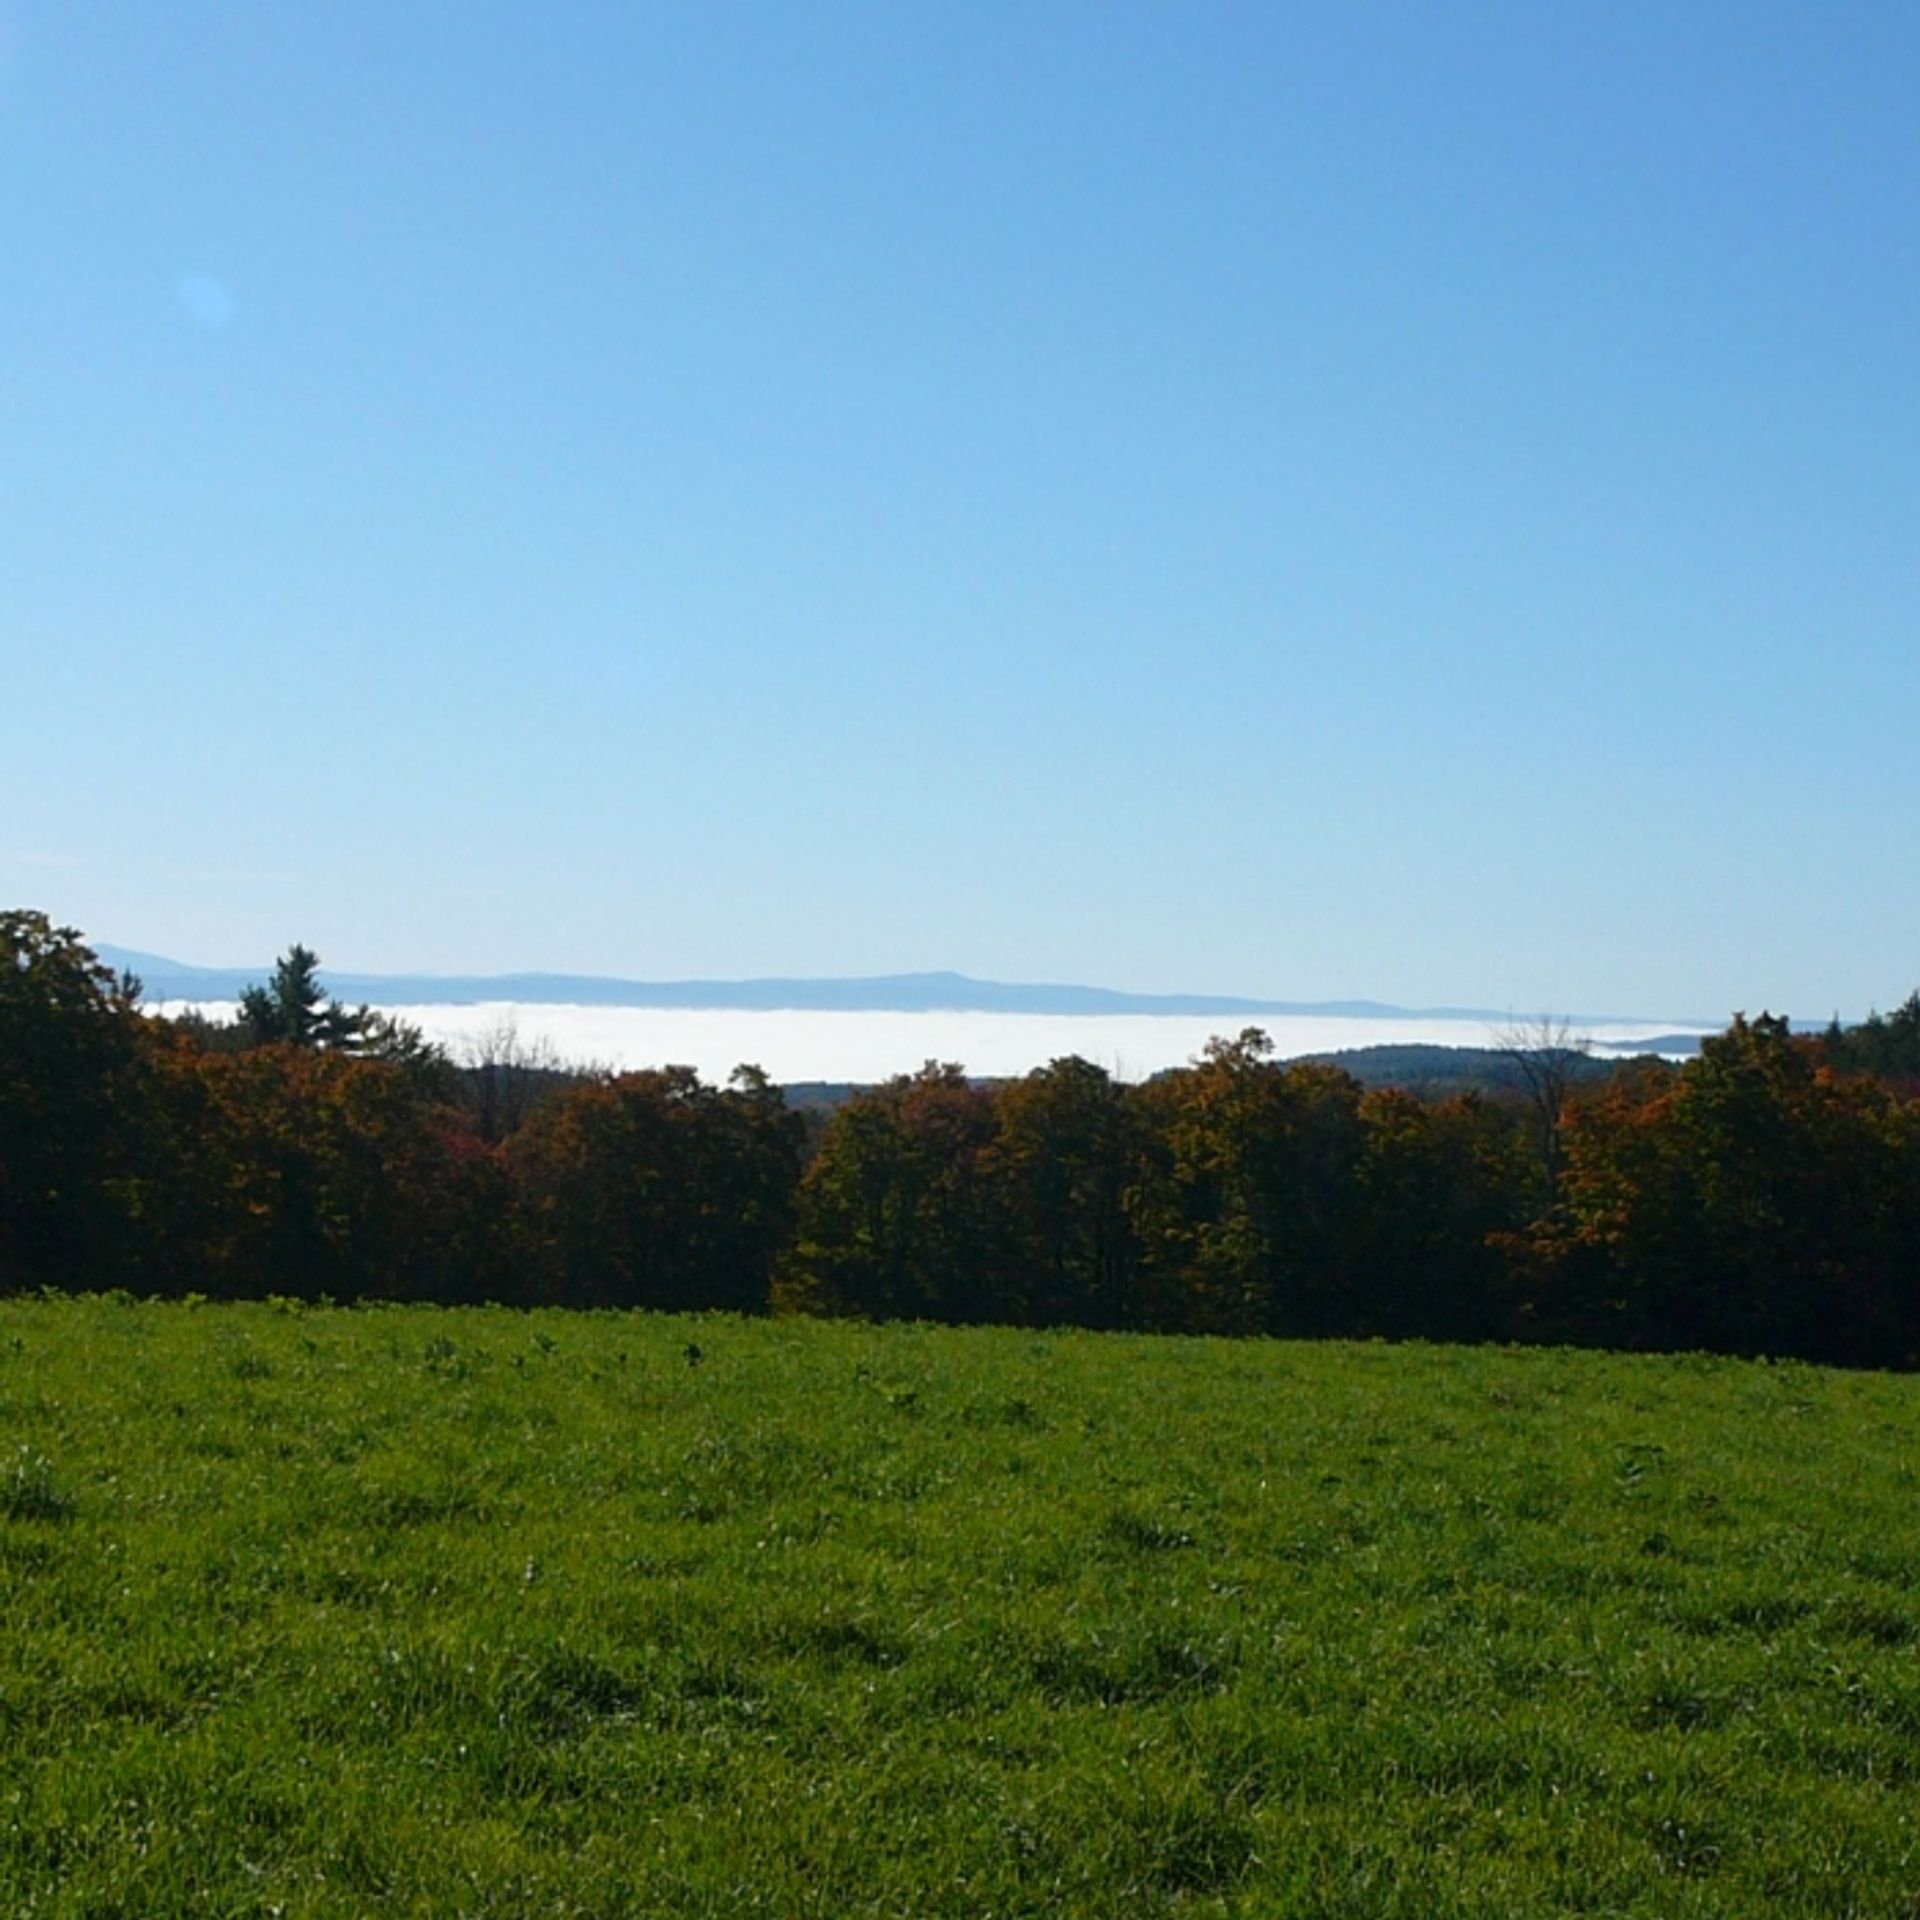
(1545, 1054)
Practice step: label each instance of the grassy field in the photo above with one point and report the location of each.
(461, 1613)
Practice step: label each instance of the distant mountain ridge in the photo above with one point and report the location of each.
(164, 979)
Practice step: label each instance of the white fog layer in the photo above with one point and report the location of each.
(865, 1047)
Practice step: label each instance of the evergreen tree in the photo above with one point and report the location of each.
(294, 1009)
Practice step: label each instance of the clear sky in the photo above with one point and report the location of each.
(1418, 501)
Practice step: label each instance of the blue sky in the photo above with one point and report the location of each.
(1398, 500)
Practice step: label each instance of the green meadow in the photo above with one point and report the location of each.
(475, 1612)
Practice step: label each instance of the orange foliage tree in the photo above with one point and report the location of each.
(654, 1189)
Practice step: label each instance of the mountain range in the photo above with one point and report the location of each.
(164, 979)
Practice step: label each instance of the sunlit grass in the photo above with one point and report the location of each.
(329, 1612)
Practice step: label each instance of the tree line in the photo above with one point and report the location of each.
(1762, 1198)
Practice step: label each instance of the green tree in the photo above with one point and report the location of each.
(1885, 1044)
(71, 1054)
(894, 1218)
(1057, 1176)
(1440, 1184)
(294, 1009)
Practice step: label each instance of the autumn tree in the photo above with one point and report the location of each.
(655, 1189)
(310, 1172)
(1245, 1208)
(1751, 1201)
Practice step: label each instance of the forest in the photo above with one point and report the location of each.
(1762, 1198)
